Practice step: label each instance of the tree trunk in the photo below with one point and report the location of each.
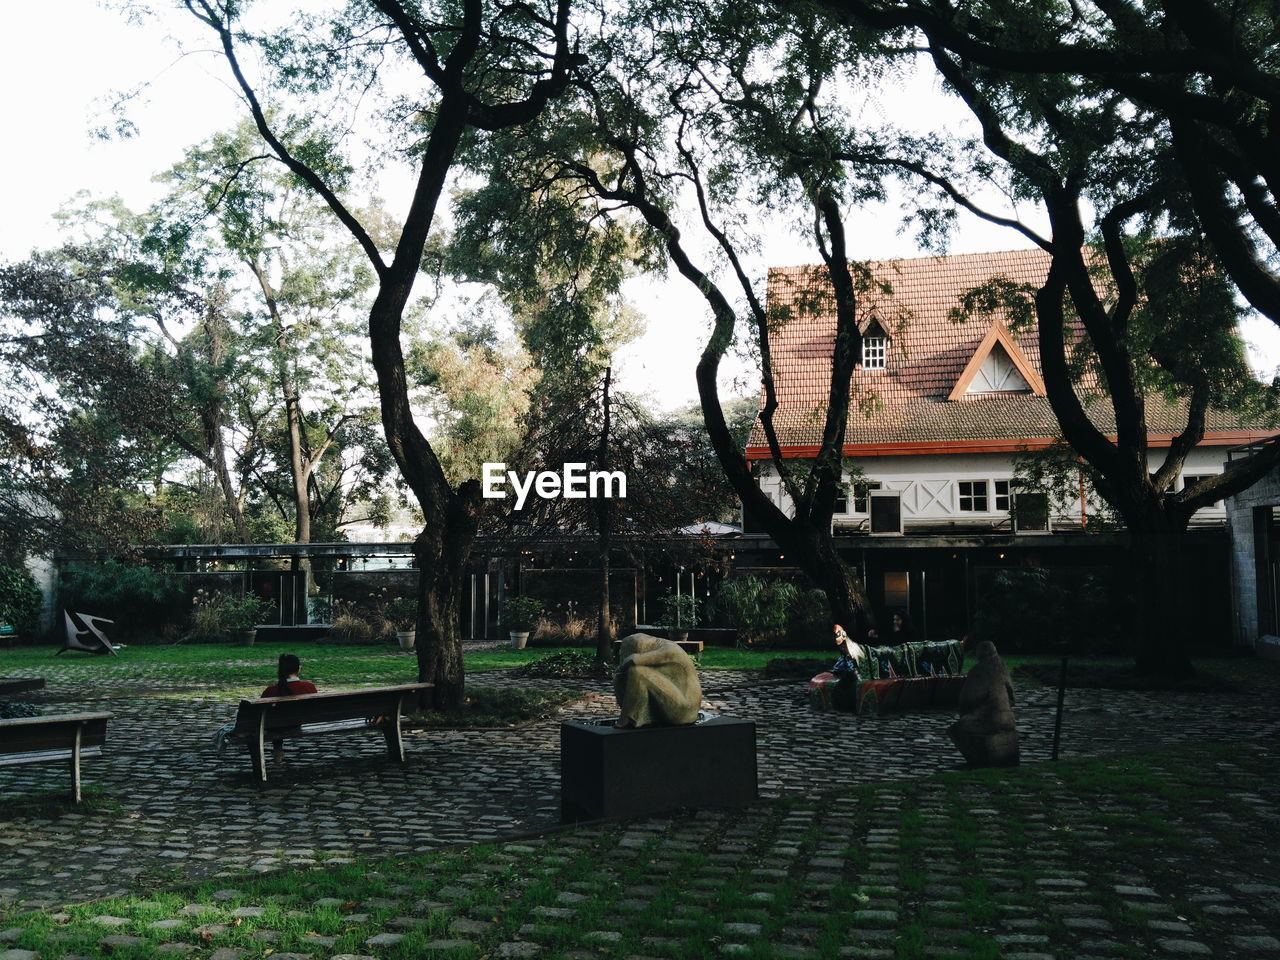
(443, 554)
(1159, 583)
(604, 627)
(817, 556)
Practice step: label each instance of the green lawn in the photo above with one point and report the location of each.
(235, 667)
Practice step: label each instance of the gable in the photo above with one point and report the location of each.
(997, 366)
(999, 374)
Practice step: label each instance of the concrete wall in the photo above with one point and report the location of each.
(1244, 559)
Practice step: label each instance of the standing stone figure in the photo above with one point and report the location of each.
(656, 683)
(985, 732)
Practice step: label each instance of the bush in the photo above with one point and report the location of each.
(348, 626)
(521, 613)
(402, 614)
(19, 600)
(1038, 610)
(678, 612)
(16, 709)
(760, 611)
(137, 597)
(215, 614)
(573, 631)
(575, 664)
(809, 622)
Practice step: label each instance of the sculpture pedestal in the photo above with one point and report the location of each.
(607, 773)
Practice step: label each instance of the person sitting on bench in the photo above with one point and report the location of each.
(287, 685)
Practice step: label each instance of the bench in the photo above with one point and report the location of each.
(692, 647)
(317, 714)
(70, 737)
(9, 685)
(909, 676)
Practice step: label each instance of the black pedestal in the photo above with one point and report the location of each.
(607, 773)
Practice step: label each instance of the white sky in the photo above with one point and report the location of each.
(56, 80)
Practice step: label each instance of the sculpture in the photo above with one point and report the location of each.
(656, 683)
(985, 733)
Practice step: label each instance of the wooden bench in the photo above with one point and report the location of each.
(11, 685)
(47, 739)
(316, 714)
(692, 647)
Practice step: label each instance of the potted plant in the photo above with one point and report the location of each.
(678, 614)
(402, 613)
(520, 615)
(241, 616)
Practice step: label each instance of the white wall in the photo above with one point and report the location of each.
(931, 494)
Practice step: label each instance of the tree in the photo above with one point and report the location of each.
(481, 70)
(684, 109)
(1206, 69)
(235, 216)
(83, 417)
(1136, 301)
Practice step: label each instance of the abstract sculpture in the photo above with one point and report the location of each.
(656, 683)
(985, 732)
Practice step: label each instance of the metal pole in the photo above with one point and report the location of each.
(1057, 722)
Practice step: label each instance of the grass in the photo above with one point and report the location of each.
(499, 707)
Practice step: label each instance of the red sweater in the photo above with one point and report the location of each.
(293, 688)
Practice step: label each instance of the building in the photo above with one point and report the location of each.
(940, 407)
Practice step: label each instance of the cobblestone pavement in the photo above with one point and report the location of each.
(178, 813)
(1156, 858)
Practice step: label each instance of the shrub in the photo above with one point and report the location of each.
(575, 664)
(349, 627)
(678, 612)
(214, 614)
(402, 613)
(19, 599)
(759, 610)
(16, 709)
(1039, 610)
(139, 598)
(809, 621)
(521, 613)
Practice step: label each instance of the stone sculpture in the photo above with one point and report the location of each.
(985, 733)
(656, 683)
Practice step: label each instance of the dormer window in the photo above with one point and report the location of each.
(873, 352)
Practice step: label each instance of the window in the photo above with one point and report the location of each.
(860, 490)
(873, 353)
(1190, 480)
(1002, 494)
(842, 501)
(973, 496)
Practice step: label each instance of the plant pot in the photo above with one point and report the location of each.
(406, 638)
(518, 639)
(246, 635)
(679, 636)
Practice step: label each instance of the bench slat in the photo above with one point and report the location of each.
(34, 734)
(46, 756)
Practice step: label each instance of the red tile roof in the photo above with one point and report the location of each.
(908, 401)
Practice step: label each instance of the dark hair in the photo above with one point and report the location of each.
(289, 664)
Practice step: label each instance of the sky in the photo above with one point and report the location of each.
(60, 82)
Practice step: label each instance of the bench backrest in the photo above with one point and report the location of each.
(33, 734)
(284, 712)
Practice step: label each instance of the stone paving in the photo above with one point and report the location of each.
(183, 814)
